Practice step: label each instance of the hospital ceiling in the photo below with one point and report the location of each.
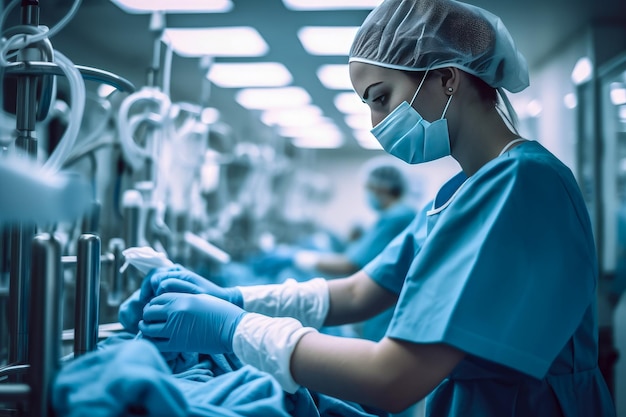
(104, 36)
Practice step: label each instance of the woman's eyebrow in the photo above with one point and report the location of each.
(367, 90)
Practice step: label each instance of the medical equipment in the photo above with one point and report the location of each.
(36, 261)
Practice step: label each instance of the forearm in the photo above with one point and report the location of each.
(346, 369)
(355, 299)
(390, 375)
(335, 264)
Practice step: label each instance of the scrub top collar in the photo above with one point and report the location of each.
(451, 188)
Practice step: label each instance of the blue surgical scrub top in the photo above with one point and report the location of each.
(507, 273)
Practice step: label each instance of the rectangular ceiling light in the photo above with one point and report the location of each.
(235, 41)
(327, 40)
(317, 141)
(330, 4)
(242, 75)
(366, 140)
(323, 124)
(297, 116)
(324, 135)
(359, 121)
(174, 6)
(272, 98)
(335, 76)
(350, 103)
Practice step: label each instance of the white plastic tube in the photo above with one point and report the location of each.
(77, 106)
(127, 124)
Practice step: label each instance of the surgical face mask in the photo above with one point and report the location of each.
(374, 201)
(406, 135)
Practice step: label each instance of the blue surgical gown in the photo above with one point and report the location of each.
(507, 273)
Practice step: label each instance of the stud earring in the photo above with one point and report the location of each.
(450, 89)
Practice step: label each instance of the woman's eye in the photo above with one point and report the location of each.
(380, 100)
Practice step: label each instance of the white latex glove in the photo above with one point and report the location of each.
(307, 301)
(267, 343)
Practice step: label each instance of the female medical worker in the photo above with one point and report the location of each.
(495, 313)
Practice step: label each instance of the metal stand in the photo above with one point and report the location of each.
(35, 283)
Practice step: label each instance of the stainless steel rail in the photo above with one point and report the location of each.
(87, 294)
(45, 331)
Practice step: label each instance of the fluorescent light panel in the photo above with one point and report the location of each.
(241, 75)
(174, 6)
(327, 40)
(330, 4)
(366, 140)
(324, 125)
(323, 135)
(350, 103)
(317, 142)
(235, 41)
(300, 116)
(272, 98)
(335, 76)
(358, 121)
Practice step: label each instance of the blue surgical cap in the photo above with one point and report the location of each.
(387, 177)
(417, 35)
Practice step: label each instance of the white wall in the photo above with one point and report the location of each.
(555, 126)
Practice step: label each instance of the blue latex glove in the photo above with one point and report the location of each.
(182, 280)
(131, 310)
(178, 322)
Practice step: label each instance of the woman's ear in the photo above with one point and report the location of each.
(449, 79)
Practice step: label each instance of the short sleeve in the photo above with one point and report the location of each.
(508, 268)
(390, 268)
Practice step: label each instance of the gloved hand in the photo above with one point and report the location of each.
(131, 310)
(177, 322)
(182, 280)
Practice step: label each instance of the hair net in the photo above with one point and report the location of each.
(417, 35)
(387, 177)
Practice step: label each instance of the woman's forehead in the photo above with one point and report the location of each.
(363, 75)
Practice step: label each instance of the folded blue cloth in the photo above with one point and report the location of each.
(130, 377)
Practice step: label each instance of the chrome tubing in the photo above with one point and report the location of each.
(45, 331)
(87, 294)
(19, 292)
